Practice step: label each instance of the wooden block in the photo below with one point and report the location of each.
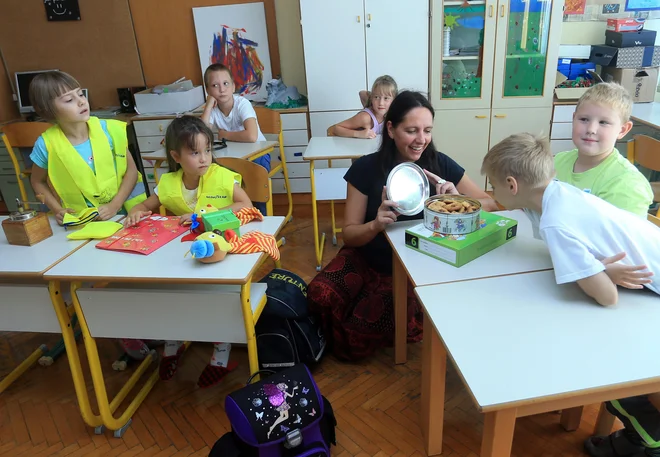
(29, 232)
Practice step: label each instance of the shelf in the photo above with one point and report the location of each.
(460, 3)
(461, 58)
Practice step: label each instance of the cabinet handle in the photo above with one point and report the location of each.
(368, 17)
(358, 18)
(490, 11)
(160, 127)
(502, 11)
(500, 116)
(480, 116)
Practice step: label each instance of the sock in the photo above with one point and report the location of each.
(220, 356)
(171, 348)
(136, 349)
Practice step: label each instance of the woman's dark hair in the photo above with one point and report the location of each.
(402, 104)
(182, 132)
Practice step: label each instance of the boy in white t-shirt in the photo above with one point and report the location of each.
(231, 114)
(593, 243)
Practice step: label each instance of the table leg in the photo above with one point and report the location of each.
(22, 368)
(107, 408)
(318, 245)
(571, 417)
(498, 433)
(249, 321)
(434, 369)
(400, 291)
(605, 422)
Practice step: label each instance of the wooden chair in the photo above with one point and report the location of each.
(605, 420)
(21, 135)
(645, 151)
(256, 183)
(271, 124)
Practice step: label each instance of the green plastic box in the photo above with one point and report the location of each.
(457, 250)
(221, 220)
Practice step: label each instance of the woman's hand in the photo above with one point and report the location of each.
(59, 217)
(628, 276)
(386, 213)
(133, 218)
(441, 186)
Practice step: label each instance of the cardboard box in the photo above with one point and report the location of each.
(458, 250)
(630, 39)
(147, 102)
(640, 82)
(640, 56)
(628, 24)
(567, 93)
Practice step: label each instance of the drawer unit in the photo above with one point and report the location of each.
(151, 128)
(150, 143)
(561, 133)
(563, 113)
(295, 137)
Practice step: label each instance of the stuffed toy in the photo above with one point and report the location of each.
(209, 247)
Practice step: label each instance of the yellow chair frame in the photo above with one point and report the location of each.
(645, 151)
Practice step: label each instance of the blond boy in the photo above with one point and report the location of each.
(602, 117)
(591, 242)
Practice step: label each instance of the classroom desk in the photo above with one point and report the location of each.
(647, 113)
(523, 254)
(329, 180)
(161, 296)
(501, 334)
(25, 305)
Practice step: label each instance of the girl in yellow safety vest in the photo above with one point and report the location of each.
(194, 182)
(86, 159)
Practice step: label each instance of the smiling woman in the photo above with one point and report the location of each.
(353, 294)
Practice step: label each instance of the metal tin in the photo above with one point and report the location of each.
(452, 223)
(20, 216)
(408, 186)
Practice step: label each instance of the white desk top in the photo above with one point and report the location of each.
(521, 255)
(334, 147)
(647, 113)
(233, 149)
(166, 264)
(522, 337)
(34, 260)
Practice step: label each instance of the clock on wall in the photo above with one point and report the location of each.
(62, 10)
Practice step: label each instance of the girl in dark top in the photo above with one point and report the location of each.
(353, 293)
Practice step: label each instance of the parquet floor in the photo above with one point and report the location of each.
(376, 402)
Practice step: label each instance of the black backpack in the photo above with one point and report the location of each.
(286, 333)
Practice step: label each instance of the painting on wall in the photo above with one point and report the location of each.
(235, 36)
(574, 6)
(642, 5)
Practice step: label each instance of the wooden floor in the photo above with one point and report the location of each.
(377, 403)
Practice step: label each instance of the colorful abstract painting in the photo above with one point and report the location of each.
(235, 35)
(574, 6)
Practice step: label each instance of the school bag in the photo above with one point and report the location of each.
(286, 333)
(283, 415)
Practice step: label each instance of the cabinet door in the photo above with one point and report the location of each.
(462, 53)
(397, 39)
(528, 37)
(506, 122)
(333, 45)
(463, 136)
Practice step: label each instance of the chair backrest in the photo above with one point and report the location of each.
(255, 177)
(24, 134)
(654, 219)
(269, 120)
(645, 151)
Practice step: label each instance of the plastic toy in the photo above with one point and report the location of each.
(220, 220)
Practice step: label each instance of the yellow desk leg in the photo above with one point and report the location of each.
(318, 246)
(434, 369)
(22, 368)
(74, 358)
(249, 320)
(400, 292)
(285, 172)
(120, 424)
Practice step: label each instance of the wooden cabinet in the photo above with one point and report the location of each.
(349, 43)
(493, 66)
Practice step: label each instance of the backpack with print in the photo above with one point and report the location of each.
(286, 333)
(283, 415)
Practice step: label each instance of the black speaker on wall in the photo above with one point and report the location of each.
(127, 99)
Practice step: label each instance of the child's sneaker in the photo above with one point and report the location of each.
(212, 374)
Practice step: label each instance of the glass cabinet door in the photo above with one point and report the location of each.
(462, 48)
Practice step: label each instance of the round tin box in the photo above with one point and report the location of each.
(452, 223)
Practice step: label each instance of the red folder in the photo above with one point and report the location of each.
(147, 236)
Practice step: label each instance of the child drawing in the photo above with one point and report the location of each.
(277, 395)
